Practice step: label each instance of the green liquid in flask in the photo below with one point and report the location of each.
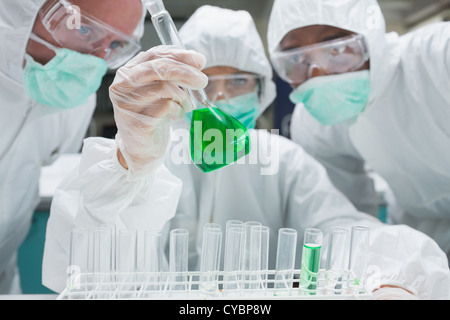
(309, 271)
(216, 139)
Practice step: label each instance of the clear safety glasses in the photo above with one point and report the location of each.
(295, 66)
(84, 33)
(232, 85)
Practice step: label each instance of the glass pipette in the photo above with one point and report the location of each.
(216, 138)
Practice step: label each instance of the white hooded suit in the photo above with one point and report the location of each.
(403, 134)
(295, 192)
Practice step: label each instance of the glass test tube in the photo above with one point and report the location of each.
(258, 257)
(153, 259)
(127, 262)
(336, 260)
(178, 259)
(78, 263)
(309, 273)
(246, 263)
(234, 255)
(103, 260)
(287, 244)
(210, 257)
(359, 245)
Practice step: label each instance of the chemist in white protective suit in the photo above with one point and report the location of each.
(296, 194)
(378, 101)
(49, 73)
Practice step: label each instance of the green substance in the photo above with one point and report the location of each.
(310, 268)
(216, 139)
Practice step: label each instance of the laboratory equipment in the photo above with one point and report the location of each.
(178, 261)
(312, 245)
(216, 138)
(210, 258)
(234, 258)
(78, 263)
(140, 271)
(247, 255)
(258, 258)
(359, 246)
(153, 260)
(102, 256)
(127, 262)
(285, 263)
(336, 262)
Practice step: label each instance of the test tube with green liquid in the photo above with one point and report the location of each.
(309, 272)
(216, 138)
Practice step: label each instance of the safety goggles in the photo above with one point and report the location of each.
(295, 66)
(84, 33)
(232, 85)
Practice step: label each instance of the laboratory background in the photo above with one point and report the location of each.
(401, 16)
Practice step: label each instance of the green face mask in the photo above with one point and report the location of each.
(64, 82)
(244, 108)
(335, 98)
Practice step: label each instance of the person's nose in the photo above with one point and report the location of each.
(220, 96)
(315, 70)
(104, 48)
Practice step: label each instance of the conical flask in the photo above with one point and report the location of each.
(216, 138)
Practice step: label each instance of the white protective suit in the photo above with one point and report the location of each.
(403, 134)
(32, 135)
(277, 184)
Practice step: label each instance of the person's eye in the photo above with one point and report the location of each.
(239, 82)
(337, 50)
(83, 30)
(115, 45)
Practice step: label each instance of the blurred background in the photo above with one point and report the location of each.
(401, 16)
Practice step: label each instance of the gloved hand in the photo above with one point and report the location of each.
(393, 293)
(146, 95)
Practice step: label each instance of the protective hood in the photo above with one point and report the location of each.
(359, 16)
(230, 38)
(16, 22)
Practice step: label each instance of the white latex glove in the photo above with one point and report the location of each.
(146, 95)
(390, 293)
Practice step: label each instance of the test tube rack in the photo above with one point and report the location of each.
(167, 285)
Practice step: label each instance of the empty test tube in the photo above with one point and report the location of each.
(102, 252)
(336, 262)
(248, 227)
(78, 263)
(153, 259)
(210, 257)
(234, 256)
(285, 262)
(103, 261)
(359, 245)
(258, 257)
(312, 245)
(178, 260)
(127, 262)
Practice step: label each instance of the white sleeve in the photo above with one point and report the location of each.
(97, 193)
(398, 255)
(331, 146)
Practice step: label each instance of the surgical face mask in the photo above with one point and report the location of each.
(244, 108)
(335, 98)
(64, 82)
